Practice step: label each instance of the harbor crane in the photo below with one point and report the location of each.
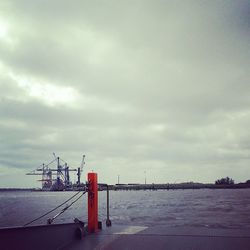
(79, 170)
(61, 172)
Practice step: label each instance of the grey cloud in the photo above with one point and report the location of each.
(163, 86)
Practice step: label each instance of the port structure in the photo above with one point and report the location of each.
(79, 171)
(57, 178)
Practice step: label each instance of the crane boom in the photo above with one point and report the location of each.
(82, 163)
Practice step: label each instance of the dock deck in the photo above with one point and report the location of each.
(165, 238)
(124, 237)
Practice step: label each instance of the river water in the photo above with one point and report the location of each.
(199, 208)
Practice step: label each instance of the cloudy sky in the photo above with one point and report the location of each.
(151, 87)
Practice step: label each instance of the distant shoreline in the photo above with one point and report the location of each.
(152, 186)
(18, 189)
(177, 186)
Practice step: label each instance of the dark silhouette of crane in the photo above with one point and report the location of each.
(60, 172)
(79, 171)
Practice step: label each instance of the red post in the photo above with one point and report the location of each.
(92, 203)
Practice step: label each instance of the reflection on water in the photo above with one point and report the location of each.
(200, 208)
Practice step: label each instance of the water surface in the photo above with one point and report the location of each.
(200, 208)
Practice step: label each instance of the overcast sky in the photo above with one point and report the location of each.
(142, 88)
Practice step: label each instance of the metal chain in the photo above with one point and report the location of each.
(52, 210)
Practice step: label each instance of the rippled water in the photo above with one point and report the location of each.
(199, 208)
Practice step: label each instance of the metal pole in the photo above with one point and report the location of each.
(108, 221)
(58, 168)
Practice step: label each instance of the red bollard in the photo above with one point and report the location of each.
(92, 203)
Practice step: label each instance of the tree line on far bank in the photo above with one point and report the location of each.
(227, 181)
